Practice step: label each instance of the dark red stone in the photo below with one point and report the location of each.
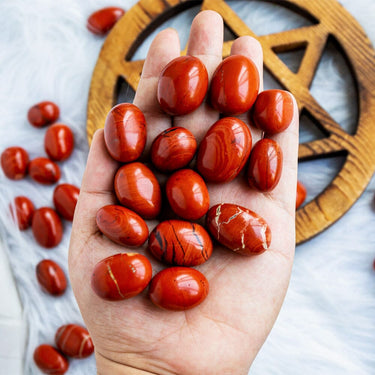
(180, 243)
(65, 197)
(44, 171)
(43, 113)
(265, 165)
(51, 277)
(47, 227)
(50, 361)
(14, 162)
(24, 211)
(74, 341)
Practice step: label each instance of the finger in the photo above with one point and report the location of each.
(285, 191)
(164, 48)
(251, 48)
(206, 43)
(96, 188)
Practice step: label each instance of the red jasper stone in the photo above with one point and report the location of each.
(138, 189)
(273, 111)
(121, 276)
(224, 150)
(178, 288)
(44, 171)
(43, 113)
(74, 341)
(51, 277)
(301, 194)
(173, 149)
(234, 85)
(101, 21)
(125, 132)
(182, 85)
(187, 194)
(59, 142)
(65, 197)
(121, 225)
(24, 210)
(50, 361)
(47, 227)
(180, 243)
(238, 229)
(14, 161)
(265, 165)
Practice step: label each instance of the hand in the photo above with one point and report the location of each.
(225, 332)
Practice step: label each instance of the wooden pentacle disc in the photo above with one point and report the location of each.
(332, 19)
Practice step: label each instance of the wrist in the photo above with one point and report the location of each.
(106, 366)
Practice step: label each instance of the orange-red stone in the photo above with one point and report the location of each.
(187, 194)
(224, 150)
(234, 85)
(121, 276)
(137, 188)
(65, 197)
(173, 149)
(182, 85)
(47, 227)
(125, 132)
(273, 111)
(178, 288)
(74, 341)
(44, 171)
(238, 229)
(50, 361)
(24, 209)
(301, 194)
(101, 21)
(122, 225)
(59, 142)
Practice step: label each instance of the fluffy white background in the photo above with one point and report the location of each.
(327, 323)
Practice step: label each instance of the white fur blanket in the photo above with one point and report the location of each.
(327, 323)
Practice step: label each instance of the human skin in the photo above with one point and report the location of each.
(223, 334)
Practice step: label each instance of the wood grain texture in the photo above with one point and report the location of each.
(330, 20)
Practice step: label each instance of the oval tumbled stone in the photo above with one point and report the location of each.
(180, 243)
(122, 225)
(238, 229)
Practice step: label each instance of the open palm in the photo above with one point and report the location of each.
(225, 332)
